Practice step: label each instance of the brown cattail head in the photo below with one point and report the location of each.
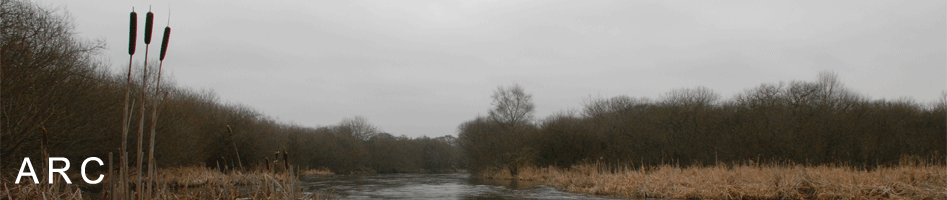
(132, 32)
(164, 42)
(149, 20)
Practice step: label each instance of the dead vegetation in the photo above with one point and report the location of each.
(744, 181)
(321, 171)
(179, 183)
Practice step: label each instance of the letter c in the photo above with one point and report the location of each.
(86, 178)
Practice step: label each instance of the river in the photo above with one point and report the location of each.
(431, 186)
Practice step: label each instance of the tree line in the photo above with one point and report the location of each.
(801, 122)
(57, 95)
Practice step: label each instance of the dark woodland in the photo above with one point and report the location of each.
(59, 96)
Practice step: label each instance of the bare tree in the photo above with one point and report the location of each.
(700, 96)
(357, 127)
(513, 106)
(49, 73)
(514, 112)
(603, 106)
(833, 94)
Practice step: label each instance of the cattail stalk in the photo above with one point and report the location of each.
(285, 159)
(276, 160)
(132, 35)
(229, 130)
(149, 20)
(154, 111)
(124, 168)
(43, 145)
(111, 183)
(1, 119)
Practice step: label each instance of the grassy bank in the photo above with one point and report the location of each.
(178, 183)
(744, 182)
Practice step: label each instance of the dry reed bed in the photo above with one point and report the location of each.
(205, 183)
(30, 191)
(199, 176)
(322, 171)
(181, 183)
(745, 182)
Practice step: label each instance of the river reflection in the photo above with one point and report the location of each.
(431, 186)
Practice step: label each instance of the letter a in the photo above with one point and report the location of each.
(26, 162)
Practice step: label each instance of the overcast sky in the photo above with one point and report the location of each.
(423, 67)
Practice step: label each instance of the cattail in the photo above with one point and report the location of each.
(164, 42)
(132, 32)
(230, 130)
(149, 21)
(154, 113)
(285, 159)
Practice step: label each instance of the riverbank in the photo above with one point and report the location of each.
(744, 182)
(179, 183)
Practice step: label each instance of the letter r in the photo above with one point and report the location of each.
(60, 171)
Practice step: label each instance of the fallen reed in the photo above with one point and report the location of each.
(744, 181)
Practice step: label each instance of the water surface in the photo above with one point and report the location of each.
(432, 186)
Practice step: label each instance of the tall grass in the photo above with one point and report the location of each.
(751, 181)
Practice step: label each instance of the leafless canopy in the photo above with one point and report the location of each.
(512, 106)
(357, 127)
